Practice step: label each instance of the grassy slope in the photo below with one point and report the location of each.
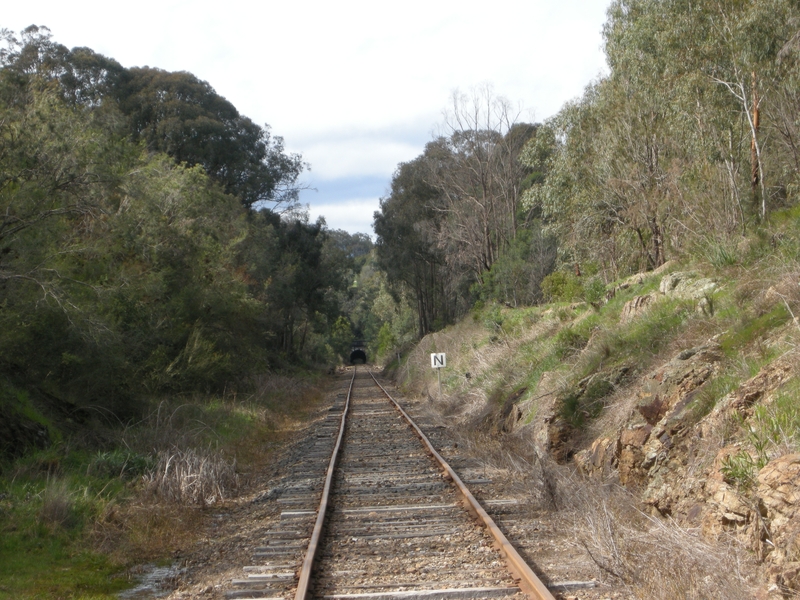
(76, 515)
(589, 357)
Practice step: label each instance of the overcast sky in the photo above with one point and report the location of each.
(355, 87)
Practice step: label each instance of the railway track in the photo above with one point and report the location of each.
(372, 512)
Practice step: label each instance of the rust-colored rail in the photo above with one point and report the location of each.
(529, 582)
(308, 563)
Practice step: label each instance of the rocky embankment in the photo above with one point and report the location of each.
(683, 464)
(701, 426)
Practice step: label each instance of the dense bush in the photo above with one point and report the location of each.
(124, 273)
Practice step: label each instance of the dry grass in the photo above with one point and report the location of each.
(145, 530)
(655, 559)
(649, 556)
(204, 451)
(192, 477)
(58, 504)
(477, 360)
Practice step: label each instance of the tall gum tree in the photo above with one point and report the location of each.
(407, 229)
(474, 165)
(695, 114)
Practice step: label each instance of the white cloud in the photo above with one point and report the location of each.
(351, 215)
(362, 156)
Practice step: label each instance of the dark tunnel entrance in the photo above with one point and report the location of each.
(358, 357)
(358, 354)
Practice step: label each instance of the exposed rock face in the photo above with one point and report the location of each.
(642, 452)
(631, 455)
(787, 576)
(583, 398)
(673, 441)
(679, 468)
(726, 509)
(687, 285)
(602, 458)
(511, 413)
(663, 421)
(779, 495)
(634, 308)
(545, 409)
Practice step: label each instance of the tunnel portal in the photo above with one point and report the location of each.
(358, 357)
(358, 354)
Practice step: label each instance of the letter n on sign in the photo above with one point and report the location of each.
(438, 360)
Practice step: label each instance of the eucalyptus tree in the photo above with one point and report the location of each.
(123, 273)
(474, 166)
(56, 168)
(407, 229)
(662, 151)
(177, 113)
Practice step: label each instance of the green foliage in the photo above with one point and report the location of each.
(516, 276)
(124, 274)
(712, 392)
(386, 340)
(43, 518)
(720, 254)
(493, 318)
(562, 286)
(747, 330)
(134, 265)
(772, 431)
(15, 401)
(175, 113)
(452, 229)
(581, 406)
(775, 428)
(740, 469)
(54, 501)
(180, 115)
(594, 290)
(570, 340)
(656, 157)
(119, 463)
(406, 250)
(341, 337)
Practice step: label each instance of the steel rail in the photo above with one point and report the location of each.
(529, 582)
(308, 563)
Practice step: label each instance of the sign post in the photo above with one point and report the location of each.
(438, 362)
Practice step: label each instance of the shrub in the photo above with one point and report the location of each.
(569, 341)
(594, 290)
(773, 431)
(561, 286)
(386, 340)
(740, 469)
(581, 406)
(118, 463)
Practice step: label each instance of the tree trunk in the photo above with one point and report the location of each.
(657, 243)
(755, 177)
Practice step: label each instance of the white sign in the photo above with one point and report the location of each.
(438, 360)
